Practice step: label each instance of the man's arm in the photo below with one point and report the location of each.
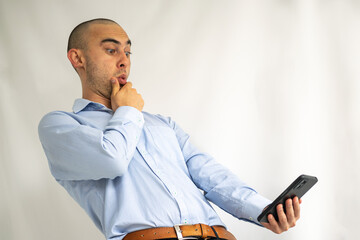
(227, 191)
(220, 185)
(80, 152)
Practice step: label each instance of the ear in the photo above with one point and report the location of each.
(75, 57)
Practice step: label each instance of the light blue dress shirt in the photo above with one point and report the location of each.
(131, 170)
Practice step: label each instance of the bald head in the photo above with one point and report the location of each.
(77, 38)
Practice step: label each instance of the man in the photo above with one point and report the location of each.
(136, 174)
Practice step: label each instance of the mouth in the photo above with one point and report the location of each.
(122, 79)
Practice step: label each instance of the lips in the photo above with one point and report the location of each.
(122, 79)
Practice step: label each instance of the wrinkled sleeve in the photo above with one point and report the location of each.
(220, 185)
(80, 152)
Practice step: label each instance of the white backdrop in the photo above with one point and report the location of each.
(270, 88)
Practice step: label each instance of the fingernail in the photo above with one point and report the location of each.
(113, 80)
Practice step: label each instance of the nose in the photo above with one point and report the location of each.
(123, 60)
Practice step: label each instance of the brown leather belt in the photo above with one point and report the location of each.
(181, 231)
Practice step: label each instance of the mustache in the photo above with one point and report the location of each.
(120, 73)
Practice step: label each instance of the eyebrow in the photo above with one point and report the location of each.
(128, 42)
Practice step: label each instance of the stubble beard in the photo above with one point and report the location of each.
(98, 80)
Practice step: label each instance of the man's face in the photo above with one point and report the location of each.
(107, 55)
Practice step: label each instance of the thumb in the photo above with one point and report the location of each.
(115, 86)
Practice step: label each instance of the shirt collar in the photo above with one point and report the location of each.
(82, 104)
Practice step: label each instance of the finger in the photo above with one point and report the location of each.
(300, 200)
(282, 218)
(115, 86)
(290, 213)
(273, 225)
(296, 205)
(267, 226)
(128, 85)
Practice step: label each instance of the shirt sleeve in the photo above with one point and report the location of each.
(221, 186)
(80, 152)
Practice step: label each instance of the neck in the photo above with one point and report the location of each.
(93, 95)
(96, 98)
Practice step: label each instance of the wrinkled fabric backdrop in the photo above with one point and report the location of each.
(270, 88)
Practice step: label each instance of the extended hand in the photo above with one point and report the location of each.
(125, 96)
(287, 220)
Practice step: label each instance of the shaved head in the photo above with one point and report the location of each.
(77, 38)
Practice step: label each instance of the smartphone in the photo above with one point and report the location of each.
(298, 188)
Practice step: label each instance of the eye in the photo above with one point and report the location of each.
(128, 54)
(111, 51)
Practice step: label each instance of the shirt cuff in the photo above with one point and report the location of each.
(129, 113)
(254, 207)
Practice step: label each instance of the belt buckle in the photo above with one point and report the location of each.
(179, 232)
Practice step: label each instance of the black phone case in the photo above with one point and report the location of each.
(298, 188)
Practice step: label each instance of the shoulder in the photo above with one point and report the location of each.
(53, 121)
(157, 120)
(56, 116)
